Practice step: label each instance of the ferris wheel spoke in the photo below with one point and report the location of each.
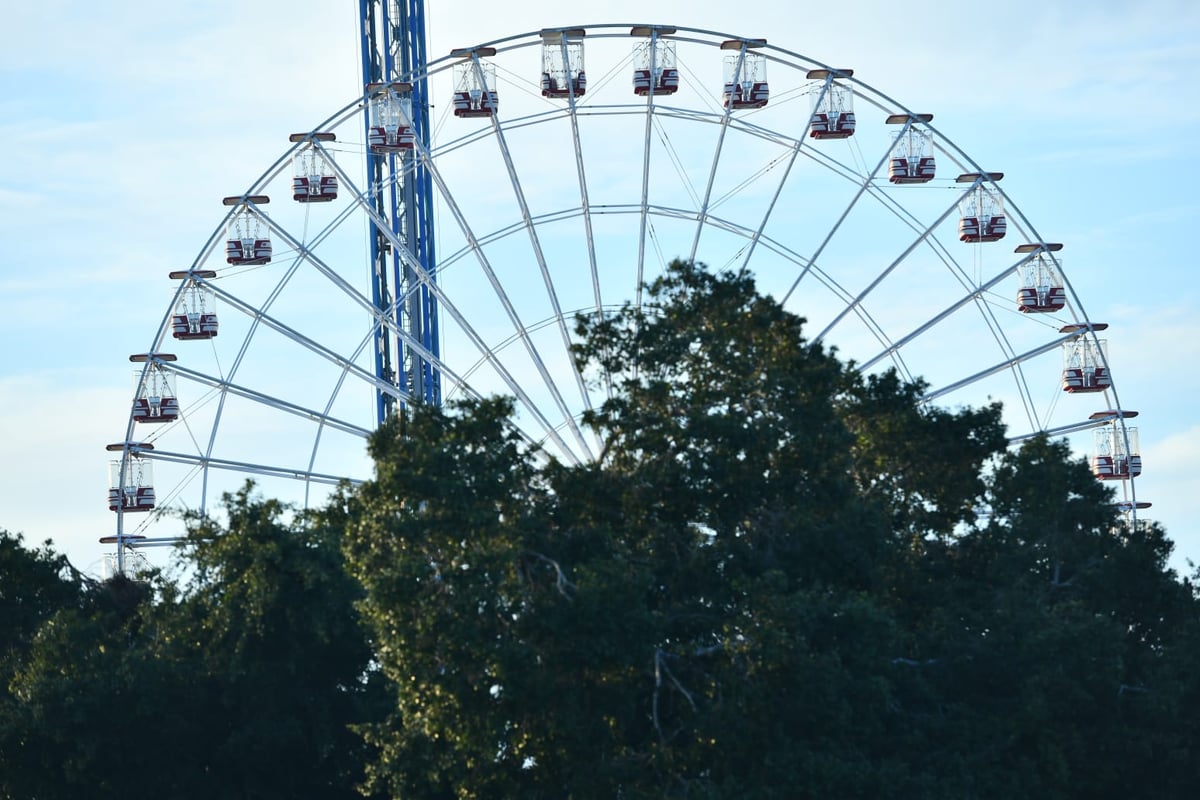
(536, 244)
(418, 348)
(259, 314)
(941, 316)
(585, 206)
(269, 401)
(754, 240)
(863, 187)
(702, 210)
(447, 305)
(248, 467)
(348, 365)
(387, 319)
(306, 342)
(976, 296)
(305, 254)
(809, 265)
(1061, 430)
(779, 249)
(505, 300)
(1000, 367)
(643, 203)
(885, 272)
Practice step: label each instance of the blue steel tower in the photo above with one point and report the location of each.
(393, 50)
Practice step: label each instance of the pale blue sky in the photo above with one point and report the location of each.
(125, 125)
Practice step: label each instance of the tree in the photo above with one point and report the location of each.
(723, 604)
(268, 619)
(76, 703)
(780, 579)
(33, 585)
(243, 682)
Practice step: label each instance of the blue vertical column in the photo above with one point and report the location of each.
(422, 313)
(393, 49)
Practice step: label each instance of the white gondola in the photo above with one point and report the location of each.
(475, 84)
(155, 399)
(391, 118)
(833, 105)
(655, 70)
(745, 75)
(1117, 456)
(1042, 289)
(982, 209)
(195, 315)
(563, 75)
(313, 179)
(1131, 517)
(247, 242)
(1085, 365)
(130, 484)
(912, 159)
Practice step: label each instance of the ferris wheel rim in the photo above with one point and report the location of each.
(576, 114)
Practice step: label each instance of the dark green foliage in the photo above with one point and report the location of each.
(779, 579)
(242, 684)
(34, 584)
(774, 582)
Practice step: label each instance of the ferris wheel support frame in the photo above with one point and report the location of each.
(392, 48)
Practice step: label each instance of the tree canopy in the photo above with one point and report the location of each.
(780, 578)
(241, 680)
(775, 581)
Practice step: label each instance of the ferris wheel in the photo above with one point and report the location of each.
(564, 169)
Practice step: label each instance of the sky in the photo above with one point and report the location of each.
(125, 125)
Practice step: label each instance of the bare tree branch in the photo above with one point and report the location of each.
(564, 586)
